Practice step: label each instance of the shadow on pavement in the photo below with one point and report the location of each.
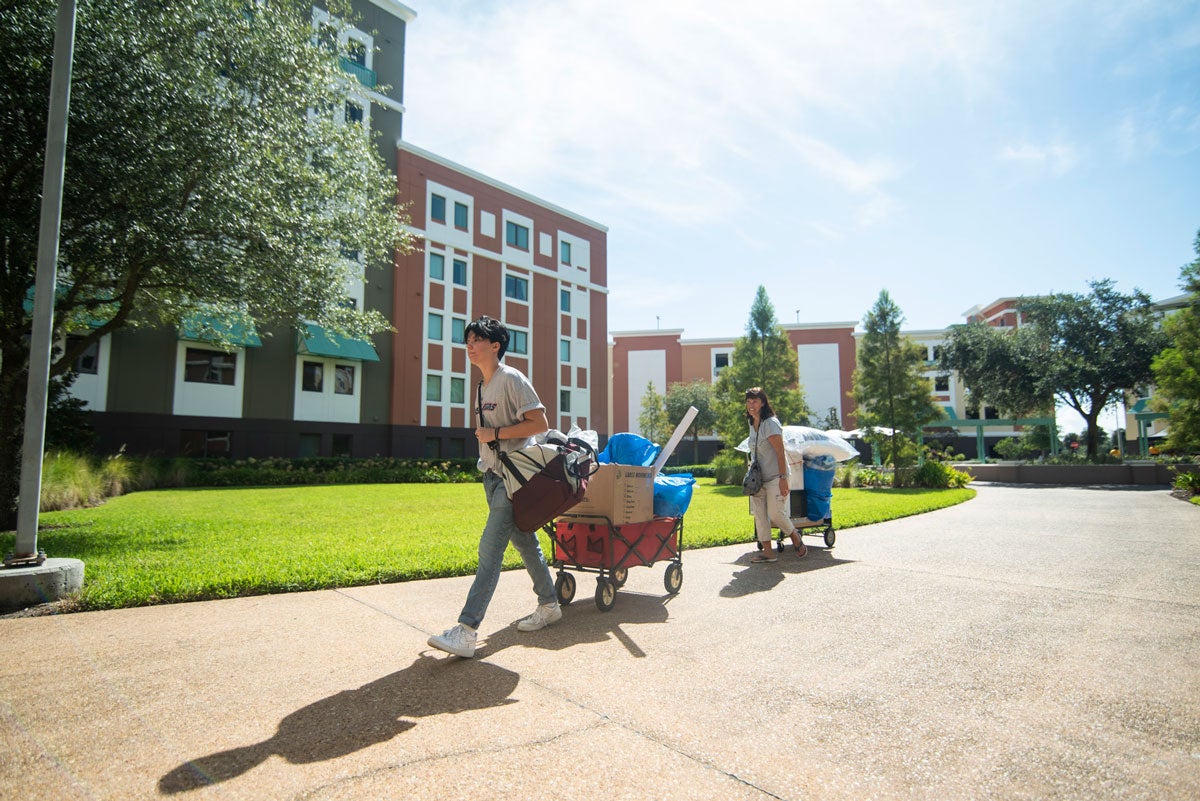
(354, 719)
(584, 623)
(760, 577)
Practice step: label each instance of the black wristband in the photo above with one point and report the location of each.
(496, 431)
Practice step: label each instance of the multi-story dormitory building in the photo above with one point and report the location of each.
(483, 248)
(826, 354)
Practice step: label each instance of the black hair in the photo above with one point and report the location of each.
(490, 329)
(766, 410)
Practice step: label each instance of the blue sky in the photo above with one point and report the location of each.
(952, 152)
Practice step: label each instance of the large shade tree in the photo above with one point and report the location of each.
(1082, 350)
(764, 357)
(890, 388)
(1177, 369)
(208, 170)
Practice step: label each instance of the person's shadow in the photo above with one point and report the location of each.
(762, 577)
(586, 624)
(354, 719)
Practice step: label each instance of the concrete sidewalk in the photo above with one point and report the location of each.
(1036, 642)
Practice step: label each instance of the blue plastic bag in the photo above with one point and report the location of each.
(672, 494)
(818, 485)
(626, 448)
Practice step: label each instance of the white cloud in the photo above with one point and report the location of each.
(665, 105)
(1058, 158)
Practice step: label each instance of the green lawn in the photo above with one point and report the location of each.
(185, 545)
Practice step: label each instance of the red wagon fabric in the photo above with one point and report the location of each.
(595, 545)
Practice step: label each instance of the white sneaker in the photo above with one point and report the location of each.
(459, 641)
(543, 616)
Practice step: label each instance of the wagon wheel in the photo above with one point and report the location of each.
(619, 576)
(606, 594)
(829, 536)
(564, 588)
(673, 578)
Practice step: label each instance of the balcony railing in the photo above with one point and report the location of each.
(365, 76)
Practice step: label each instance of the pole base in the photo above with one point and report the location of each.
(54, 580)
(25, 560)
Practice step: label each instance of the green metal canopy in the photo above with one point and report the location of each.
(317, 341)
(205, 328)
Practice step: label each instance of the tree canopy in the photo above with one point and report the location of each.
(208, 171)
(1083, 350)
(890, 388)
(765, 358)
(680, 398)
(652, 420)
(1177, 368)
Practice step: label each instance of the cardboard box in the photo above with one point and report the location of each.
(623, 493)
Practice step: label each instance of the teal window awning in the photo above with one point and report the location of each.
(203, 328)
(317, 341)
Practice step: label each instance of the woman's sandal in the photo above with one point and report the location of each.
(758, 558)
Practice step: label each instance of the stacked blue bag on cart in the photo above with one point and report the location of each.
(672, 494)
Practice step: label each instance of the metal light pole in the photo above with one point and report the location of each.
(26, 551)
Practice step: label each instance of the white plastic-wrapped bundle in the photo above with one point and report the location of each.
(801, 442)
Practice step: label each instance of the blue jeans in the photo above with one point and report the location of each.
(499, 531)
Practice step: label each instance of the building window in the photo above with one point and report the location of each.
(342, 444)
(433, 388)
(356, 52)
(564, 350)
(516, 287)
(564, 401)
(458, 329)
(456, 448)
(720, 362)
(343, 379)
(313, 377)
(564, 300)
(518, 342)
(210, 367)
(435, 327)
(516, 235)
(458, 390)
(437, 208)
(941, 383)
(88, 362)
(460, 272)
(460, 216)
(310, 445)
(564, 252)
(354, 112)
(205, 443)
(437, 266)
(433, 448)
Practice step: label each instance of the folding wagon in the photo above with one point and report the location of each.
(805, 527)
(595, 545)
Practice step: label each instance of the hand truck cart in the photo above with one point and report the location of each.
(798, 502)
(592, 544)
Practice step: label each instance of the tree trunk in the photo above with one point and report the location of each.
(1093, 435)
(12, 432)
